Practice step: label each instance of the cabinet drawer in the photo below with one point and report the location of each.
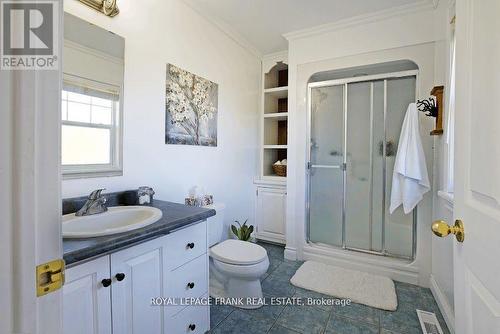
(188, 281)
(191, 320)
(186, 244)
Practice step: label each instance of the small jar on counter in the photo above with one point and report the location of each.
(145, 195)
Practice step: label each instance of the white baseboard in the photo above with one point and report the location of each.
(291, 253)
(270, 238)
(443, 304)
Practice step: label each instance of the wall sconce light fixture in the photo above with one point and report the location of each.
(107, 7)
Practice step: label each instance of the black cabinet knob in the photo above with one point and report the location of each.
(190, 245)
(106, 282)
(120, 277)
(191, 285)
(192, 327)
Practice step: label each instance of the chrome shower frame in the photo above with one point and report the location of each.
(345, 82)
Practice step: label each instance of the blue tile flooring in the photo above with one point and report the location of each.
(293, 319)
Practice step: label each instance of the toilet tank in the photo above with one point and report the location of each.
(215, 224)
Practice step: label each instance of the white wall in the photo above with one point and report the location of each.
(410, 36)
(161, 32)
(442, 248)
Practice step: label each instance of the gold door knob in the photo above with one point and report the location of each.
(441, 229)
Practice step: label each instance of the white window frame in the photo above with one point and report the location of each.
(115, 167)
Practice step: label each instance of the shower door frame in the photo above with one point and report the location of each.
(345, 82)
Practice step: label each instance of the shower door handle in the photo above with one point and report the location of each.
(341, 166)
(327, 166)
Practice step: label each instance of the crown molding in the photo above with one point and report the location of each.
(226, 29)
(422, 5)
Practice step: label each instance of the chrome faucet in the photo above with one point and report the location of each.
(94, 205)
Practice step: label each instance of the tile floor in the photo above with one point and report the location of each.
(292, 319)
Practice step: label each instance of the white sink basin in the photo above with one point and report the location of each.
(117, 219)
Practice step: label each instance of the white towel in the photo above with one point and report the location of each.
(410, 180)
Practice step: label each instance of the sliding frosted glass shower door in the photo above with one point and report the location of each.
(326, 165)
(399, 230)
(364, 165)
(355, 126)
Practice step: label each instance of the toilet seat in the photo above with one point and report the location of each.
(238, 252)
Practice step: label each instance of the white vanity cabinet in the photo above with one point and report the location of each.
(142, 272)
(86, 302)
(173, 266)
(270, 212)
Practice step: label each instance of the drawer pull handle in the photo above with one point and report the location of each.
(190, 245)
(191, 285)
(106, 282)
(120, 277)
(192, 327)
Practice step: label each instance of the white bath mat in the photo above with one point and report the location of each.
(359, 287)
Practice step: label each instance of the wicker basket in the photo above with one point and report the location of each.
(279, 170)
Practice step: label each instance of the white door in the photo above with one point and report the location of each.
(137, 275)
(270, 214)
(477, 167)
(87, 298)
(30, 200)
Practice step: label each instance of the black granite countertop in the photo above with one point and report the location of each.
(175, 216)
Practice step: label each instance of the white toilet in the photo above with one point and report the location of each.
(235, 266)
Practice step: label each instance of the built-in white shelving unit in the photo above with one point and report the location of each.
(274, 121)
(270, 206)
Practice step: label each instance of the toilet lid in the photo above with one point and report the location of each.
(234, 251)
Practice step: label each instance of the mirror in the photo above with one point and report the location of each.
(91, 100)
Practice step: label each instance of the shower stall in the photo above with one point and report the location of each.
(354, 129)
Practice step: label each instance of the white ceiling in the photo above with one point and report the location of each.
(261, 23)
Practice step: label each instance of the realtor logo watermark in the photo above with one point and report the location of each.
(28, 34)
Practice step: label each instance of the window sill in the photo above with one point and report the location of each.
(447, 197)
(69, 175)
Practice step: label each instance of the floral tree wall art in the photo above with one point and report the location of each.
(191, 109)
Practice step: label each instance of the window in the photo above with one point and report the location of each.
(91, 131)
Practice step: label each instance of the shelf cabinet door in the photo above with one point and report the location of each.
(144, 269)
(86, 302)
(270, 213)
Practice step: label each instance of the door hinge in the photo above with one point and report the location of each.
(49, 277)
(344, 166)
(308, 165)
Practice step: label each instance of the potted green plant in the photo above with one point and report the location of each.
(243, 231)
